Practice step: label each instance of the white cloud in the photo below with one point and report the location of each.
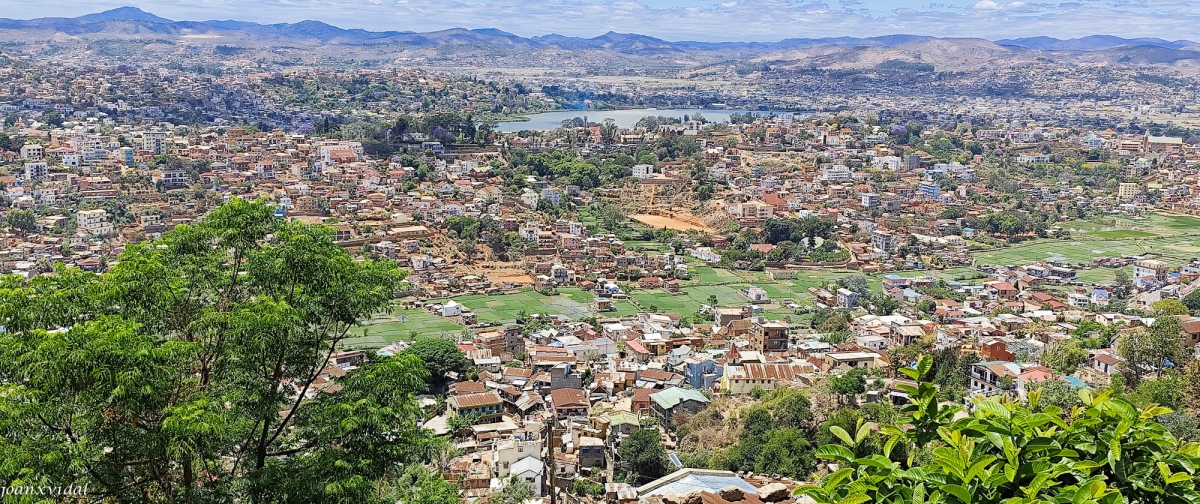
(993, 5)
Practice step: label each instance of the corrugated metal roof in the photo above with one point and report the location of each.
(671, 397)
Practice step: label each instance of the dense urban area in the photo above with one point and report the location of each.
(246, 281)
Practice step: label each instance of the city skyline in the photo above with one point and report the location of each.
(678, 20)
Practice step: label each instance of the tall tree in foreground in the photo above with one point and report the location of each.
(189, 371)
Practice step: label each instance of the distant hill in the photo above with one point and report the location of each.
(1091, 43)
(118, 21)
(124, 14)
(130, 28)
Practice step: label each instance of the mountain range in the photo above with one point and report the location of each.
(130, 35)
(131, 21)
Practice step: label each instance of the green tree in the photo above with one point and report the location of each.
(1123, 282)
(1064, 357)
(420, 486)
(1152, 350)
(514, 491)
(583, 486)
(790, 408)
(856, 283)
(786, 452)
(1192, 301)
(441, 356)
(187, 371)
(1168, 307)
(1056, 393)
(1163, 391)
(642, 457)
(849, 384)
(25, 220)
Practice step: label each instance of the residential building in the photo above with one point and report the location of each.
(883, 239)
(487, 405)
(769, 336)
(1128, 190)
(36, 170)
(94, 222)
(676, 400)
(155, 142)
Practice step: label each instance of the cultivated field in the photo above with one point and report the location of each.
(400, 325)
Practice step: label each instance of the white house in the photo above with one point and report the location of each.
(643, 171)
(836, 173)
(451, 309)
(33, 152)
(530, 198)
(530, 469)
(510, 451)
(94, 222)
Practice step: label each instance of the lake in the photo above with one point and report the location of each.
(624, 118)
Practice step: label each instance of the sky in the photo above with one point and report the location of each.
(703, 20)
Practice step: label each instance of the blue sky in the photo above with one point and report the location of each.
(707, 20)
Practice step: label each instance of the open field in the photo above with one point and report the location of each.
(659, 222)
(400, 325)
(1174, 238)
(1123, 233)
(1045, 250)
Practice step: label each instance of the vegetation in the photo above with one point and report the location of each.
(24, 220)
(514, 491)
(641, 456)
(441, 356)
(1105, 450)
(584, 486)
(1152, 351)
(164, 379)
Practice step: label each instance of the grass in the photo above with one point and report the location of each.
(400, 325)
(1174, 238)
(1072, 251)
(1123, 233)
(572, 302)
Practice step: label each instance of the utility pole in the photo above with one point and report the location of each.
(549, 463)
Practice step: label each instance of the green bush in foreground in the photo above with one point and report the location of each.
(1105, 451)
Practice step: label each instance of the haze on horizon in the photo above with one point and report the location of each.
(700, 20)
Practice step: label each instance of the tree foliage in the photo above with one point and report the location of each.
(1168, 307)
(1105, 451)
(775, 437)
(440, 355)
(1153, 350)
(1064, 357)
(514, 491)
(797, 230)
(642, 457)
(188, 371)
(25, 220)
